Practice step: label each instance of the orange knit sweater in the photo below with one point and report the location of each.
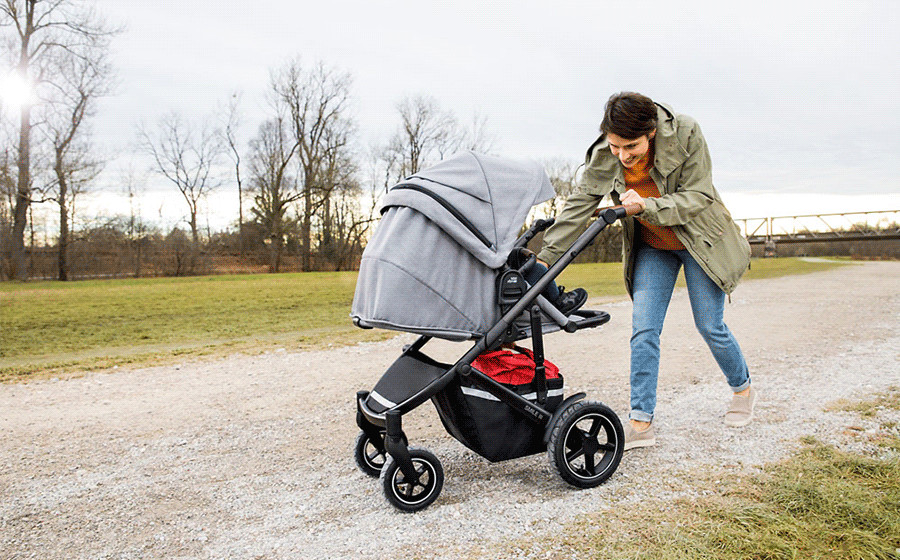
(638, 178)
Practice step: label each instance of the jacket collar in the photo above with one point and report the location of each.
(670, 154)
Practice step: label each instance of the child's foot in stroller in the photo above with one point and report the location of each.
(641, 435)
(570, 302)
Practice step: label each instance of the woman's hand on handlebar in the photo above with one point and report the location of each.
(632, 197)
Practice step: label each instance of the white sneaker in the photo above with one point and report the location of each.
(634, 438)
(740, 413)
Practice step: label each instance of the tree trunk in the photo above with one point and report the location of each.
(276, 242)
(306, 229)
(23, 197)
(137, 263)
(195, 243)
(237, 171)
(23, 190)
(63, 260)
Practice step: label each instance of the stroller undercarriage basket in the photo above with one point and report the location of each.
(490, 427)
(400, 289)
(474, 416)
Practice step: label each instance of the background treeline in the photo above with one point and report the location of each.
(110, 250)
(305, 187)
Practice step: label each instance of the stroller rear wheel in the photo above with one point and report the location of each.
(586, 444)
(415, 494)
(369, 454)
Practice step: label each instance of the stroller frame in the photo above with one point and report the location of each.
(412, 477)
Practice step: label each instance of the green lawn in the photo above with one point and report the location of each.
(96, 324)
(56, 326)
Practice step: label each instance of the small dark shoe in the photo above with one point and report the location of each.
(569, 302)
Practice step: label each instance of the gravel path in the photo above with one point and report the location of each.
(250, 456)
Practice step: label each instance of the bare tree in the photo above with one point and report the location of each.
(317, 100)
(272, 152)
(136, 230)
(425, 135)
(231, 122)
(187, 158)
(480, 138)
(82, 78)
(43, 31)
(342, 221)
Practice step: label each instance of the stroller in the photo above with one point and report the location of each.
(446, 261)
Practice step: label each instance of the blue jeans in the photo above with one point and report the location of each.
(655, 272)
(551, 292)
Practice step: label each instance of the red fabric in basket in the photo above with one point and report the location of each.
(512, 368)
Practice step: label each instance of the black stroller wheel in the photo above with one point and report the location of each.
(413, 495)
(370, 455)
(586, 444)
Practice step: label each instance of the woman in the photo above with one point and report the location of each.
(649, 156)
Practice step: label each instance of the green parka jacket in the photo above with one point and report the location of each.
(688, 203)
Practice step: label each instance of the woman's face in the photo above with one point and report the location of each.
(628, 151)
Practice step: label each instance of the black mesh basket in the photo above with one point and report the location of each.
(490, 427)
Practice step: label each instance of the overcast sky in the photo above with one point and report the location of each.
(799, 101)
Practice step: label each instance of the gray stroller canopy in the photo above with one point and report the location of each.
(491, 195)
(431, 266)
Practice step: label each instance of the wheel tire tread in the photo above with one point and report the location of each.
(575, 410)
(389, 467)
(359, 451)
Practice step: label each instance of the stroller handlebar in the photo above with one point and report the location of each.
(542, 224)
(613, 213)
(537, 227)
(631, 209)
(609, 215)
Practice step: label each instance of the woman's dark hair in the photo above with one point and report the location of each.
(629, 115)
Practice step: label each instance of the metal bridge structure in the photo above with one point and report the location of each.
(813, 228)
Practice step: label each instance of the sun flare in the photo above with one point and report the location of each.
(16, 91)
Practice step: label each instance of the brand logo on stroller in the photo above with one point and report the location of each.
(533, 411)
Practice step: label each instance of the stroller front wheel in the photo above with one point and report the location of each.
(586, 444)
(369, 454)
(415, 494)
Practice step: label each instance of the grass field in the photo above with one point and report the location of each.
(54, 327)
